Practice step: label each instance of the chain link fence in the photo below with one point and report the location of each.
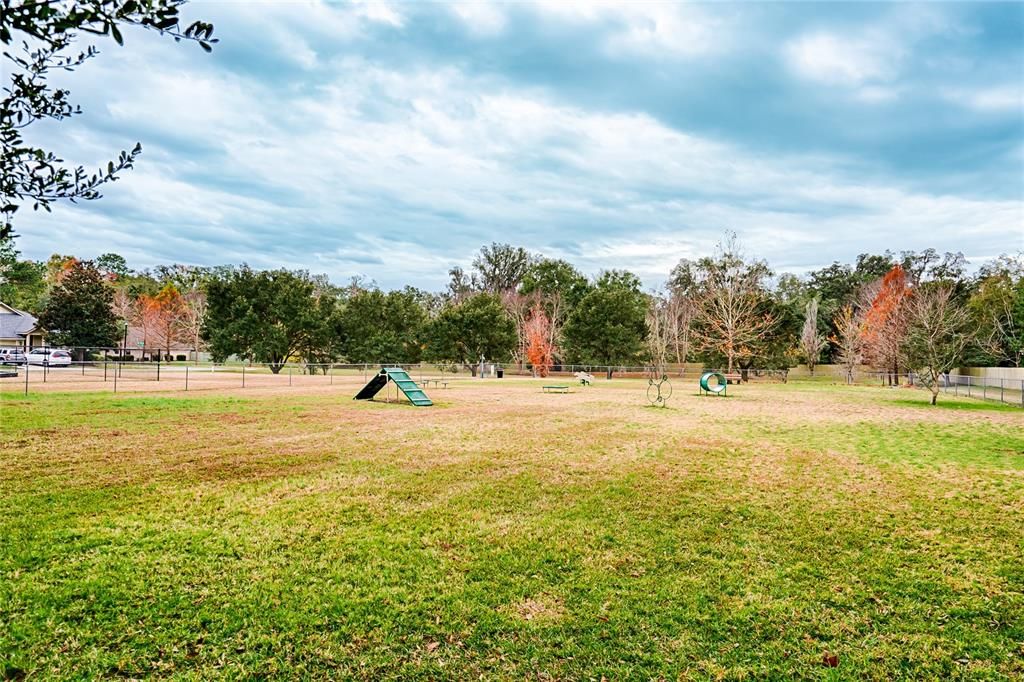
(119, 375)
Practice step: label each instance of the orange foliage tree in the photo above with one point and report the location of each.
(160, 317)
(885, 322)
(539, 347)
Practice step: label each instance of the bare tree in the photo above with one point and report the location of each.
(1002, 332)
(127, 309)
(730, 295)
(682, 307)
(557, 311)
(518, 307)
(811, 342)
(190, 321)
(848, 340)
(660, 331)
(997, 305)
(461, 285)
(938, 333)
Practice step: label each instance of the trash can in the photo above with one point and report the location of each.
(501, 372)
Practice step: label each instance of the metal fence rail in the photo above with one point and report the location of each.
(1009, 391)
(120, 376)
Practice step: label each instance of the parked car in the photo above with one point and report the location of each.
(49, 357)
(12, 356)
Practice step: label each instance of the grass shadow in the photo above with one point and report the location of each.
(956, 404)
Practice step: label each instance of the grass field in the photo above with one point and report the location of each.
(788, 531)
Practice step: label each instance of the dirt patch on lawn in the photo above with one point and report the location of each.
(539, 608)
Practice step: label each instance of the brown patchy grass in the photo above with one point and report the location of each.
(510, 533)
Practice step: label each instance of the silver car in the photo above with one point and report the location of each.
(12, 356)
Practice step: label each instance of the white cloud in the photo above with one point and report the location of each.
(379, 11)
(434, 160)
(869, 61)
(838, 60)
(481, 18)
(458, 161)
(1005, 98)
(652, 29)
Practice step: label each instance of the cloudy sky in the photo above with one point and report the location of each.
(391, 140)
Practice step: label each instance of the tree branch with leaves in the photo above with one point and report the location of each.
(48, 30)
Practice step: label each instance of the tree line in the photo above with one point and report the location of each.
(725, 310)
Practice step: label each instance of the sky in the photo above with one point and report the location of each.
(392, 140)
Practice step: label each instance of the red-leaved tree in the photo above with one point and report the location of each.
(539, 348)
(885, 322)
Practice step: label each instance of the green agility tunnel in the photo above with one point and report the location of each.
(720, 387)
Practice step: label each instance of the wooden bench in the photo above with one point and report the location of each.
(733, 378)
(585, 378)
(556, 389)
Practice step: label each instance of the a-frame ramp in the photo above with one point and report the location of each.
(401, 379)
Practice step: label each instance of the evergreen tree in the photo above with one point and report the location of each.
(609, 325)
(78, 312)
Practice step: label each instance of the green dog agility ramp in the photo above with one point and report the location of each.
(401, 379)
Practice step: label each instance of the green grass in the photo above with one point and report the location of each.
(511, 535)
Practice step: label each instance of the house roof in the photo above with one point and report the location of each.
(137, 338)
(14, 322)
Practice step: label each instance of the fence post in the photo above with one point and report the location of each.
(243, 376)
(104, 369)
(289, 376)
(117, 370)
(1002, 382)
(186, 377)
(83, 366)
(158, 368)
(984, 390)
(968, 385)
(26, 376)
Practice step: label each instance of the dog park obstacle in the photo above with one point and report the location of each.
(659, 390)
(717, 389)
(400, 378)
(555, 389)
